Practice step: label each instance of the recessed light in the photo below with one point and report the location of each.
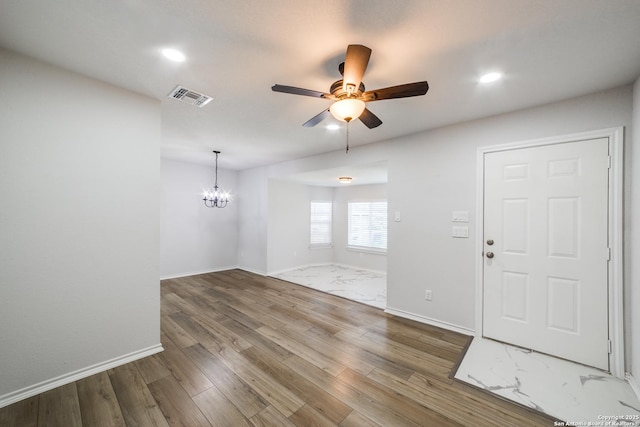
(333, 126)
(174, 55)
(345, 179)
(490, 77)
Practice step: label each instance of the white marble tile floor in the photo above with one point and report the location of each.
(358, 285)
(575, 394)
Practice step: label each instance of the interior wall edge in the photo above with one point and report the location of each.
(632, 239)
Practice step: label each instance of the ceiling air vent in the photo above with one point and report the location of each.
(189, 96)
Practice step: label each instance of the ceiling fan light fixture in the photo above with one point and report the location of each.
(347, 109)
(349, 93)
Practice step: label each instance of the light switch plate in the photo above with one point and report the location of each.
(460, 231)
(397, 216)
(460, 216)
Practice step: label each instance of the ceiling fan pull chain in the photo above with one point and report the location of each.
(347, 137)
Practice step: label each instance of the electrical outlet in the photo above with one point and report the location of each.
(427, 295)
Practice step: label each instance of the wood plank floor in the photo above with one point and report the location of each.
(245, 350)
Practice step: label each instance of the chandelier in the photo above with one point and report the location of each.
(216, 198)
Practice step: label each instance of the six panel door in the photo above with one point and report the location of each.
(545, 273)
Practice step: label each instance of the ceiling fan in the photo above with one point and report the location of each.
(349, 93)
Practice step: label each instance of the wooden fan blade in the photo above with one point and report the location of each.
(317, 119)
(355, 64)
(299, 91)
(401, 91)
(369, 119)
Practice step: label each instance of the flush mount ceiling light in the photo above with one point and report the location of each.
(490, 77)
(345, 179)
(217, 198)
(173, 55)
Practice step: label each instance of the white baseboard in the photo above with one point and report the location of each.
(249, 270)
(231, 267)
(635, 385)
(195, 273)
(33, 390)
(429, 321)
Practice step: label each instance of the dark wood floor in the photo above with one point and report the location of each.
(242, 350)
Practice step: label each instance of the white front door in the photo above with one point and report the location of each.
(545, 249)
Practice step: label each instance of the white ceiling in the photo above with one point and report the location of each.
(372, 173)
(236, 50)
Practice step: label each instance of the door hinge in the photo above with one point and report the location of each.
(609, 346)
(608, 162)
(608, 254)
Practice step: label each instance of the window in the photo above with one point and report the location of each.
(368, 226)
(320, 235)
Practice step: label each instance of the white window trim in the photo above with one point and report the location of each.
(367, 250)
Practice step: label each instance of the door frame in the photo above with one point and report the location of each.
(615, 231)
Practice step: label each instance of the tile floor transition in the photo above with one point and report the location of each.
(358, 285)
(573, 393)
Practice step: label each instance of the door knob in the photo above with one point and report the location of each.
(490, 242)
(489, 255)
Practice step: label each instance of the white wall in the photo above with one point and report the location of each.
(341, 199)
(288, 226)
(193, 238)
(633, 238)
(433, 173)
(79, 226)
(253, 185)
(254, 200)
(289, 223)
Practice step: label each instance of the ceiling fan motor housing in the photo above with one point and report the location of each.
(338, 91)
